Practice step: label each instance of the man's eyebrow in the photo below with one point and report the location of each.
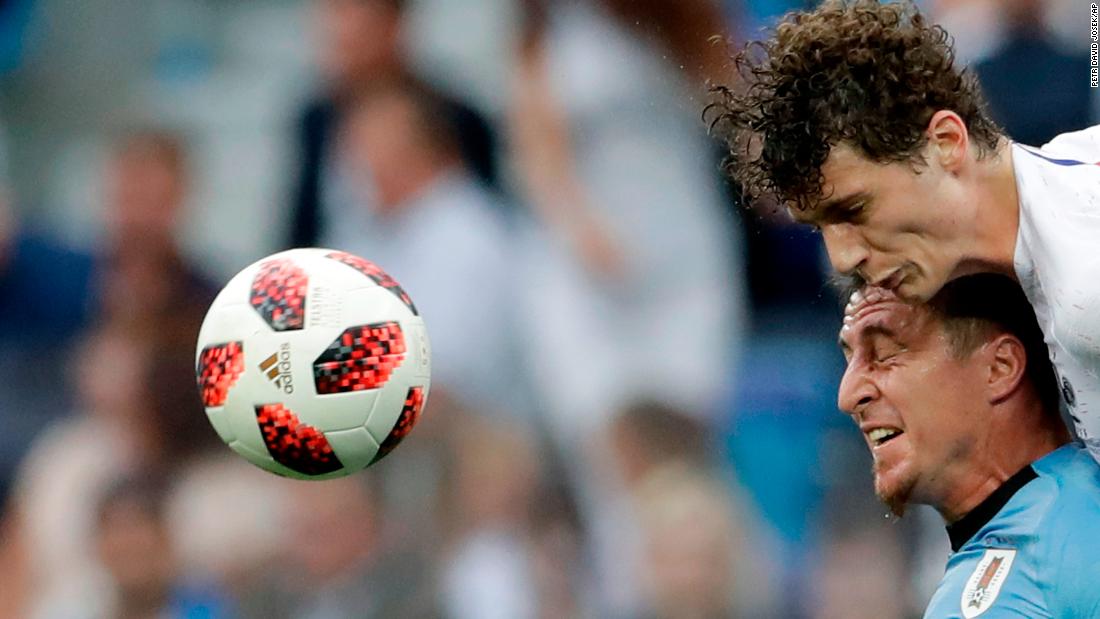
(832, 210)
(868, 332)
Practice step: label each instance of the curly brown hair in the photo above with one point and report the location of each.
(867, 74)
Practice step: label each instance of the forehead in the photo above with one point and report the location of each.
(846, 174)
(845, 165)
(891, 318)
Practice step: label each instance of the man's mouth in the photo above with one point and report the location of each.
(881, 436)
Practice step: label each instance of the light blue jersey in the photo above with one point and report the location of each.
(1032, 549)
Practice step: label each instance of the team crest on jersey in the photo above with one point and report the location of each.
(985, 583)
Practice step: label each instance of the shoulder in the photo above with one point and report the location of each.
(1069, 467)
(1083, 145)
(1032, 559)
(1059, 199)
(1077, 151)
(1064, 168)
(1062, 506)
(1063, 501)
(1069, 531)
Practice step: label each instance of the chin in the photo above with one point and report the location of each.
(896, 503)
(894, 488)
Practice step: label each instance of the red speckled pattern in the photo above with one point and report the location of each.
(219, 368)
(363, 357)
(279, 294)
(293, 444)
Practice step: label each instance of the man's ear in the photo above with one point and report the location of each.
(1007, 364)
(948, 140)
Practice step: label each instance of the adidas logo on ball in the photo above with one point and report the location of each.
(277, 368)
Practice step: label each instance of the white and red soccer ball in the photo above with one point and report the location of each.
(313, 363)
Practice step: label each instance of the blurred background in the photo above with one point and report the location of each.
(643, 425)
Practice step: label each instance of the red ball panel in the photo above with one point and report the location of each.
(220, 366)
(279, 294)
(293, 444)
(363, 357)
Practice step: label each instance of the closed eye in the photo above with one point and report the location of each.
(856, 214)
(850, 209)
(882, 356)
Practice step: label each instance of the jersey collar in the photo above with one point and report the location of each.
(963, 529)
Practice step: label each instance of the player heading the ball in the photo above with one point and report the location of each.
(856, 118)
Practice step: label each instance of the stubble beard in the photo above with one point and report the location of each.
(897, 497)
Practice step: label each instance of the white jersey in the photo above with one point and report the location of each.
(1058, 264)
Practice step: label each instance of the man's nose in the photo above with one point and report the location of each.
(856, 391)
(847, 252)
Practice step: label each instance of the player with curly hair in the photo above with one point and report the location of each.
(856, 117)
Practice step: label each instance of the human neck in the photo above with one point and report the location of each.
(996, 215)
(994, 463)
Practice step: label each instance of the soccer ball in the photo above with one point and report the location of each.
(313, 363)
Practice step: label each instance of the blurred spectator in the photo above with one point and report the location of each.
(488, 572)
(862, 575)
(647, 434)
(859, 565)
(632, 285)
(359, 45)
(47, 291)
(135, 548)
(438, 231)
(338, 562)
(155, 294)
(139, 411)
(1036, 89)
(633, 246)
(555, 545)
(699, 548)
(228, 517)
(45, 296)
(145, 276)
(73, 462)
(974, 25)
(692, 544)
